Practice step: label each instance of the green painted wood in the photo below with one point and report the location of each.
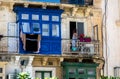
(79, 70)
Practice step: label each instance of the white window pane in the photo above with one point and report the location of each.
(46, 75)
(12, 45)
(36, 27)
(12, 42)
(55, 18)
(55, 30)
(35, 17)
(45, 30)
(38, 75)
(117, 71)
(91, 71)
(81, 71)
(72, 70)
(25, 16)
(45, 17)
(26, 27)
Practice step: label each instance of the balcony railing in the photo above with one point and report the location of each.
(81, 48)
(11, 45)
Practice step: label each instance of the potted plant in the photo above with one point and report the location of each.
(81, 37)
(87, 39)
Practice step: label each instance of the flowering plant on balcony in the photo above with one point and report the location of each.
(87, 39)
(84, 38)
(81, 37)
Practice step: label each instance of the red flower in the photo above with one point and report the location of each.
(81, 35)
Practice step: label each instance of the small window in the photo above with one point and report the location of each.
(81, 71)
(72, 71)
(45, 29)
(117, 71)
(1, 70)
(45, 18)
(38, 74)
(55, 18)
(47, 75)
(35, 17)
(26, 27)
(36, 27)
(25, 16)
(91, 71)
(55, 30)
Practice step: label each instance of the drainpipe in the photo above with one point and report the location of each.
(106, 45)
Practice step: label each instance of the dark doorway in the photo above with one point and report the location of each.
(72, 27)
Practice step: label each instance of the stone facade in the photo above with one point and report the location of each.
(90, 15)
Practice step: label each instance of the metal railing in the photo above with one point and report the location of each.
(10, 45)
(81, 48)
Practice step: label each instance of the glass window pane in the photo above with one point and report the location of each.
(55, 18)
(81, 71)
(45, 17)
(26, 27)
(47, 75)
(36, 27)
(25, 16)
(38, 75)
(55, 30)
(45, 29)
(35, 17)
(91, 72)
(72, 70)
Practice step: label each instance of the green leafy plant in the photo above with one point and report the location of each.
(106, 77)
(23, 75)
